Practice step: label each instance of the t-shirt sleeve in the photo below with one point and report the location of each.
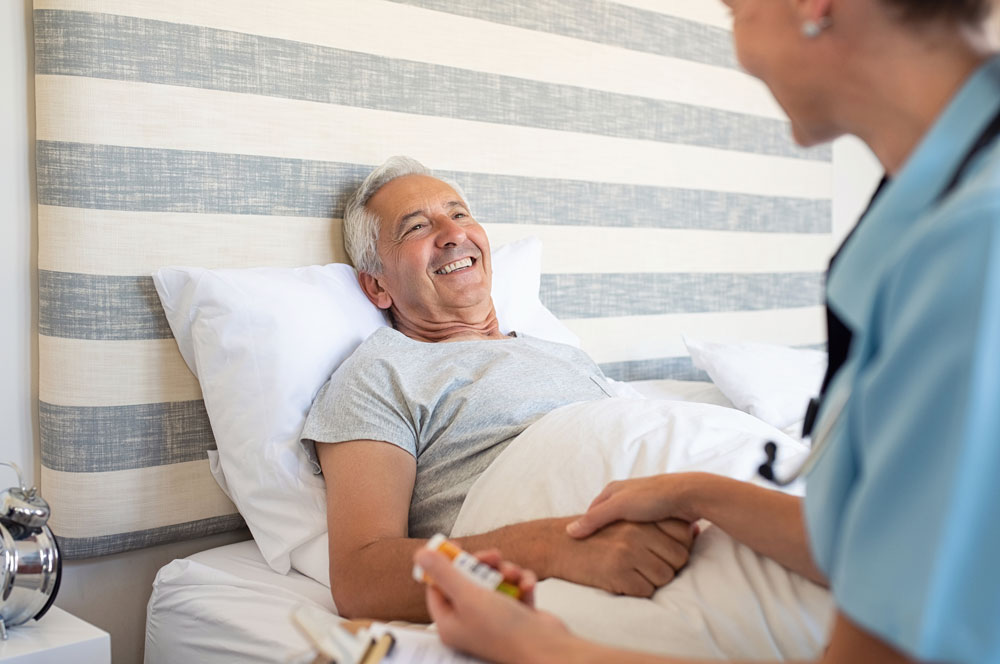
(359, 402)
(917, 552)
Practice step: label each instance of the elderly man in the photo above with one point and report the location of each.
(413, 417)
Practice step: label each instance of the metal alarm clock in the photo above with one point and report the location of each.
(29, 555)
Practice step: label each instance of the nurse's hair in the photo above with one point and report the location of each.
(969, 12)
(361, 225)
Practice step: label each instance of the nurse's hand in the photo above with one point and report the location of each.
(488, 623)
(643, 499)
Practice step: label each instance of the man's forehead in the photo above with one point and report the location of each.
(405, 195)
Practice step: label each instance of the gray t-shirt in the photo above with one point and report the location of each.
(454, 406)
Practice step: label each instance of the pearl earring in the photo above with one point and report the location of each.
(812, 29)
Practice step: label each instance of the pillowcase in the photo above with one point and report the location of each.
(263, 341)
(773, 383)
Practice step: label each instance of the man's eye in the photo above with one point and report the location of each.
(414, 227)
(460, 215)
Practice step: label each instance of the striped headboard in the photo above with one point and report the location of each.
(660, 179)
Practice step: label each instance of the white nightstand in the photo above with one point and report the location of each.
(57, 638)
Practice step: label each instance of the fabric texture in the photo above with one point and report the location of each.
(902, 505)
(729, 603)
(226, 135)
(453, 406)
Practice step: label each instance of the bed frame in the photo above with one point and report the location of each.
(659, 177)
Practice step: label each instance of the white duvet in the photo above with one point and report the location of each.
(729, 601)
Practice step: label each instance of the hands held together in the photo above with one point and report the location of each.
(634, 538)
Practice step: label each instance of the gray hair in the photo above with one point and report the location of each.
(361, 225)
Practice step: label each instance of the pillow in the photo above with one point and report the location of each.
(773, 383)
(263, 341)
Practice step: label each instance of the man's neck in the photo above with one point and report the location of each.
(483, 329)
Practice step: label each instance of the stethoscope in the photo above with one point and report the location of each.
(819, 440)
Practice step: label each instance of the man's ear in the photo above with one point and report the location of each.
(373, 290)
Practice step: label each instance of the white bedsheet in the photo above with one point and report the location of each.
(227, 605)
(729, 602)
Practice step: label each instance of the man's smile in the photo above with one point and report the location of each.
(460, 264)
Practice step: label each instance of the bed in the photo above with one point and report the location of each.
(658, 181)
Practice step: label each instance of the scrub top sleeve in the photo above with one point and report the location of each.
(917, 554)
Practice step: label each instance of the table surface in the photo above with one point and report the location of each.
(56, 634)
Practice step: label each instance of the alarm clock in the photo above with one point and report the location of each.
(29, 556)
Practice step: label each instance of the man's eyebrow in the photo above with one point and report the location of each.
(451, 204)
(405, 218)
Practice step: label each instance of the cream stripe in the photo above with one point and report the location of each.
(108, 373)
(76, 240)
(710, 12)
(79, 372)
(73, 108)
(121, 501)
(401, 31)
(630, 338)
(573, 249)
(115, 242)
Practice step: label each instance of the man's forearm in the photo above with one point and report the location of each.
(376, 581)
(769, 522)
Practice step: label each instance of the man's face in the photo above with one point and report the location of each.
(435, 256)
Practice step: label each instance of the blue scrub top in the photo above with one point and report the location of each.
(903, 506)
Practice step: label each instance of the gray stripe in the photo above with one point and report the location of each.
(125, 48)
(106, 438)
(677, 368)
(84, 306)
(567, 295)
(143, 179)
(76, 548)
(604, 23)
(641, 294)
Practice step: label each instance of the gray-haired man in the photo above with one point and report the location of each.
(422, 408)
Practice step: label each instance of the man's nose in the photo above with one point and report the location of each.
(449, 232)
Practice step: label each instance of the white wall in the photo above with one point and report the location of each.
(856, 174)
(18, 387)
(108, 592)
(112, 592)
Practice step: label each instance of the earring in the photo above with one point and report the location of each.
(812, 29)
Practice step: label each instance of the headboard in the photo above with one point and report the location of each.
(660, 179)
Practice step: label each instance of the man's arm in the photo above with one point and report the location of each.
(369, 487)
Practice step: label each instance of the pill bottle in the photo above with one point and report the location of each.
(470, 566)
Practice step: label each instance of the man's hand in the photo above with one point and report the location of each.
(624, 558)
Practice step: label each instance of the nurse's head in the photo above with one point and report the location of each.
(827, 61)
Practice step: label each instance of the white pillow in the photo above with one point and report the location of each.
(262, 341)
(771, 382)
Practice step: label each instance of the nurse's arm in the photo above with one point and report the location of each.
(769, 522)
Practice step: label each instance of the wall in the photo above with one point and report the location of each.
(108, 592)
(112, 592)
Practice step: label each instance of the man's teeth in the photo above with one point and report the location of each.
(451, 267)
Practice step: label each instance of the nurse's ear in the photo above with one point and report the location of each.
(813, 15)
(374, 290)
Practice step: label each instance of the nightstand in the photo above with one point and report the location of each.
(57, 638)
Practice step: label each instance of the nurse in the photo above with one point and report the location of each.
(902, 511)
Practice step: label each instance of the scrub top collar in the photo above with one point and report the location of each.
(907, 198)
